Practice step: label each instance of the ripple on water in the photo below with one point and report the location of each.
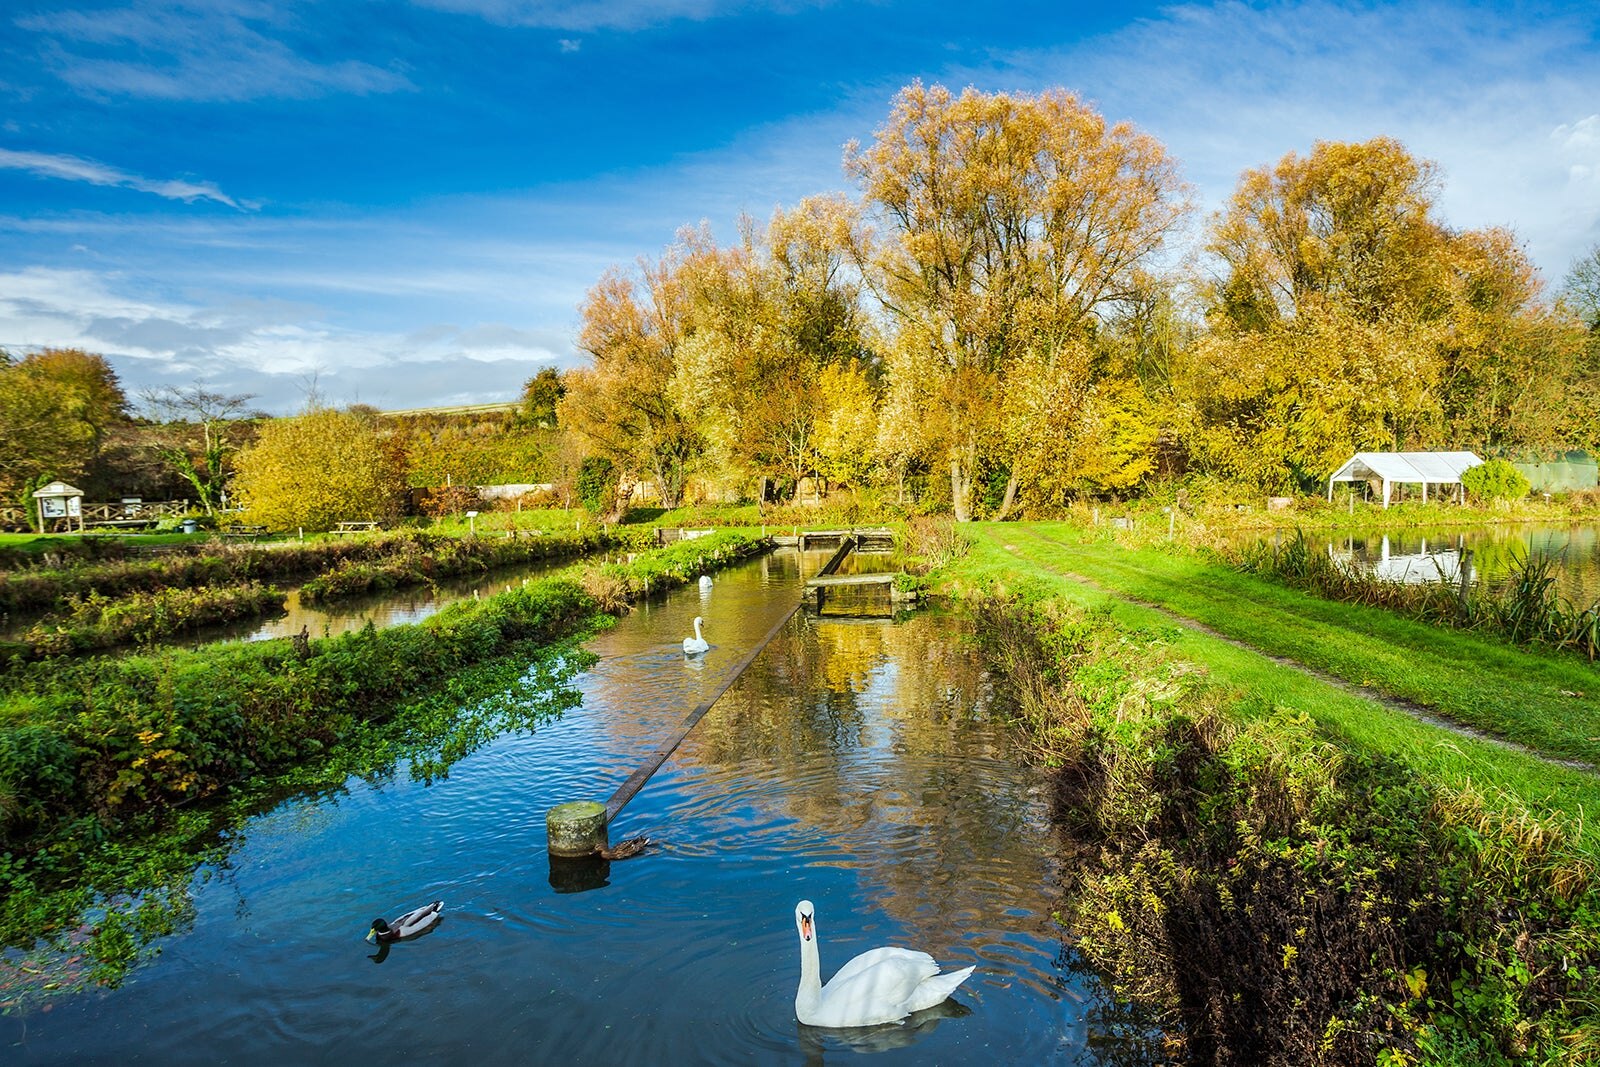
(846, 769)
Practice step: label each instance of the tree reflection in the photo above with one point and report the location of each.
(878, 738)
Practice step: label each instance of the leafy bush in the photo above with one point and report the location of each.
(1495, 480)
(417, 558)
(96, 621)
(597, 484)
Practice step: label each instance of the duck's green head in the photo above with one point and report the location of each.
(379, 926)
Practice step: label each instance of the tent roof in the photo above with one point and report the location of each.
(1435, 467)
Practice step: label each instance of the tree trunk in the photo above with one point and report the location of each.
(959, 487)
(1010, 498)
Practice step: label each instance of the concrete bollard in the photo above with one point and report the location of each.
(576, 828)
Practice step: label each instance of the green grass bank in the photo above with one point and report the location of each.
(1279, 870)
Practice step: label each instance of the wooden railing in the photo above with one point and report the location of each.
(17, 517)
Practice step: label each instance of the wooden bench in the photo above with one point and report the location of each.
(350, 528)
(240, 531)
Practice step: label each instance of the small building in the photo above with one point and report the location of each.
(59, 502)
(1403, 468)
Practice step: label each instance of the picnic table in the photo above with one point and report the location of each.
(348, 528)
(240, 531)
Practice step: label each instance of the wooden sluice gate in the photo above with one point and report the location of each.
(826, 581)
(869, 539)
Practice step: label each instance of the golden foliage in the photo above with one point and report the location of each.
(317, 469)
(1012, 220)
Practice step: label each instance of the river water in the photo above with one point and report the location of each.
(855, 764)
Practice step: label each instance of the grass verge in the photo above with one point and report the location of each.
(1284, 872)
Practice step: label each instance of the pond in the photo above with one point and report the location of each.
(1425, 554)
(855, 764)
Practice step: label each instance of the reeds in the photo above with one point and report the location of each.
(1527, 609)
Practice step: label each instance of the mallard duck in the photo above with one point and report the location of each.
(883, 985)
(409, 925)
(693, 646)
(624, 850)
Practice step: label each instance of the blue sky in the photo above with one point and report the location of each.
(405, 200)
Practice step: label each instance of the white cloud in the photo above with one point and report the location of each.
(569, 46)
(218, 51)
(71, 168)
(266, 348)
(589, 15)
(1579, 144)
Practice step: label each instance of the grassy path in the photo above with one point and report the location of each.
(1257, 637)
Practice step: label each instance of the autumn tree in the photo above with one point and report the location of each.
(316, 469)
(1349, 224)
(57, 408)
(481, 449)
(1580, 296)
(620, 404)
(1009, 223)
(1347, 316)
(196, 432)
(774, 330)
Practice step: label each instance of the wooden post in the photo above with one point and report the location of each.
(1466, 577)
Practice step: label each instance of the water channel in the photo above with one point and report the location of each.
(855, 764)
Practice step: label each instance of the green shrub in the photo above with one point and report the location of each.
(597, 484)
(1495, 480)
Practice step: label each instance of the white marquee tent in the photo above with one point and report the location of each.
(1426, 468)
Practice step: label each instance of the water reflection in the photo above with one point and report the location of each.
(815, 1041)
(1439, 561)
(854, 764)
(1427, 554)
(390, 608)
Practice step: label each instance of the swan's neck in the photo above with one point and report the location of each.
(809, 994)
(697, 636)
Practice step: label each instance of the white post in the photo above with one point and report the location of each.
(1386, 494)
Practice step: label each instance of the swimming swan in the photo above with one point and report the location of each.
(705, 581)
(693, 646)
(880, 986)
(411, 924)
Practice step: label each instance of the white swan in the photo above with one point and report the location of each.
(880, 986)
(705, 581)
(693, 646)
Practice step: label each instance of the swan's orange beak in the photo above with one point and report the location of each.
(805, 927)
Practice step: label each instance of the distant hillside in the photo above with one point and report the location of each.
(458, 409)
